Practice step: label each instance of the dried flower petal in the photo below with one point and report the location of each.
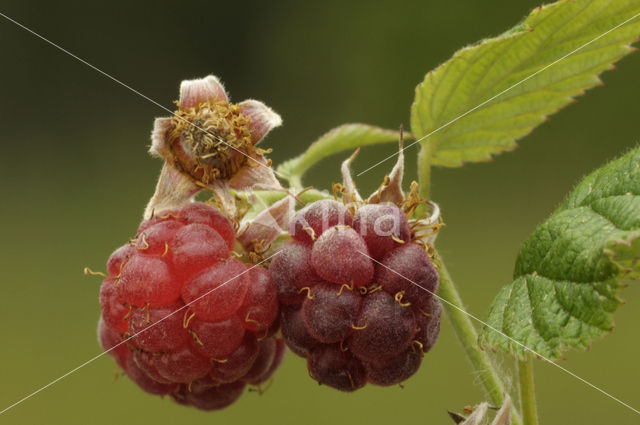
(269, 224)
(503, 417)
(479, 415)
(263, 118)
(194, 92)
(173, 191)
(350, 192)
(159, 147)
(391, 188)
(255, 175)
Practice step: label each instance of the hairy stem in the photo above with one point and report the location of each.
(460, 320)
(527, 391)
(295, 181)
(468, 337)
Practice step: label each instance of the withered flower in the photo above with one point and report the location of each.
(211, 143)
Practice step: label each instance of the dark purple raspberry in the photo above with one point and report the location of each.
(330, 311)
(408, 270)
(291, 271)
(385, 328)
(341, 256)
(330, 365)
(383, 227)
(428, 322)
(311, 221)
(352, 318)
(395, 369)
(296, 333)
(198, 318)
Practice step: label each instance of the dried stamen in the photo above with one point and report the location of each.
(211, 141)
(88, 271)
(306, 288)
(359, 328)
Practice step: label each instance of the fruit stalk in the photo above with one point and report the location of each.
(527, 391)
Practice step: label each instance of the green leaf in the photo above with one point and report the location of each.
(477, 73)
(344, 137)
(569, 271)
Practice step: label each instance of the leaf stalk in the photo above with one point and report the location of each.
(527, 391)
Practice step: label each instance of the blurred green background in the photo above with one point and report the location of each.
(75, 176)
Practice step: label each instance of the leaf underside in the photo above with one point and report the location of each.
(344, 137)
(569, 271)
(477, 73)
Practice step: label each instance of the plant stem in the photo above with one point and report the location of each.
(424, 169)
(295, 181)
(468, 337)
(460, 320)
(527, 391)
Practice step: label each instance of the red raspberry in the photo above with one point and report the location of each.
(238, 363)
(350, 309)
(209, 397)
(110, 339)
(270, 355)
(196, 323)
